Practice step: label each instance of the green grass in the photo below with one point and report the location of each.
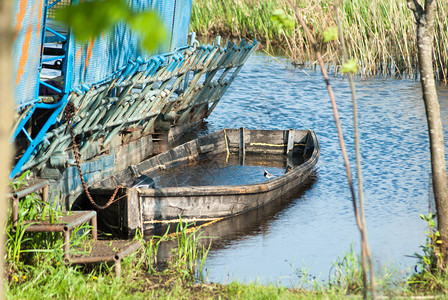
(379, 34)
(49, 277)
(40, 275)
(35, 269)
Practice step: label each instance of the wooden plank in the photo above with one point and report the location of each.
(133, 210)
(290, 145)
(242, 151)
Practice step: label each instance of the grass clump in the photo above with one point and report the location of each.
(190, 256)
(346, 278)
(431, 276)
(346, 275)
(381, 34)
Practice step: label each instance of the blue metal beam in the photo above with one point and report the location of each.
(38, 139)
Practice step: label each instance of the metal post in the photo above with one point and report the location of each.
(94, 228)
(118, 268)
(15, 211)
(67, 245)
(45, 193)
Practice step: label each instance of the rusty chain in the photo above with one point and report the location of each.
(69, 112)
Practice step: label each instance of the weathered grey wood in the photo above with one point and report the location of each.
(145, 207)
(242, 146)
(290, 142)
(133, 210)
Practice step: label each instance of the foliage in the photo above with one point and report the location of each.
(345, 278)
(432, 259)
(351, 66)
(282, 20)
(91, 18)
(190, 256)
(382, 35)
(432, 276)
(346, 274)
(20, 181)
(30, 208)
(330, 34)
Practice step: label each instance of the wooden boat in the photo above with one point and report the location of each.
(296, 151)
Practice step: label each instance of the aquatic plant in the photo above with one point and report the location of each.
(382, 35)
(346, 278)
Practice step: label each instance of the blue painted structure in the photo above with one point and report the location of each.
(114, 86)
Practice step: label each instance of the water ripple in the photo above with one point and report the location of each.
(319, 226)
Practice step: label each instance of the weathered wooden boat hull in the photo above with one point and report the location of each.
(241, 226)
(145, 208)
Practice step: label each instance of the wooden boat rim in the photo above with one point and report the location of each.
(229, 190)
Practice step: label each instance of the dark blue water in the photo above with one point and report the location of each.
(317, 225)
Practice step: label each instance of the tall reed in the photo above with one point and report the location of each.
(190, 254)
(380, 33)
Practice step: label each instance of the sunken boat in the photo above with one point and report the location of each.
(138, 199)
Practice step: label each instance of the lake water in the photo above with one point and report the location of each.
(313, 226)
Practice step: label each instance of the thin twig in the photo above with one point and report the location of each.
(334, 106)
(358, 218)
(364, 241)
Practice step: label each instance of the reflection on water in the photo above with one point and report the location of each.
(240, 227)
(317, 225)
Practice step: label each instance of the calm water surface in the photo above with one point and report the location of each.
(315, 225)
(219, 171)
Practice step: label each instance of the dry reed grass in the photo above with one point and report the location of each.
(380, 34)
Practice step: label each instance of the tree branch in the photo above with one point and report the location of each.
(418, 11)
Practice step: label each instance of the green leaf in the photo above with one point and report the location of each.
(350, 66)
(282, 20)
(90, 19)
(150, 27)
(330, 34)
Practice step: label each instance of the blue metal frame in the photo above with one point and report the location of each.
(38, 139)
(56, 107)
